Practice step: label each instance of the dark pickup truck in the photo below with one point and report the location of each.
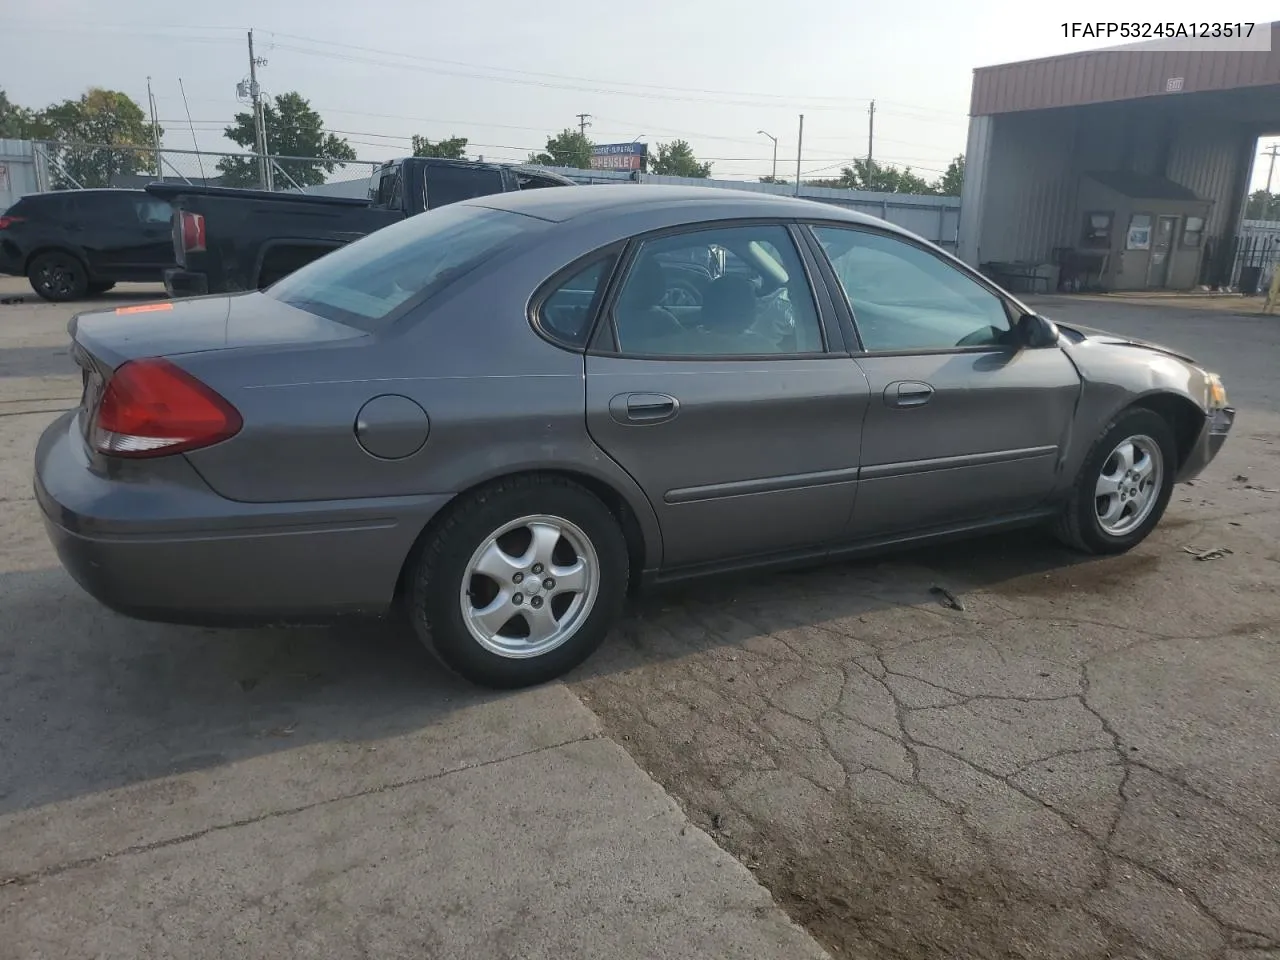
(226, 240)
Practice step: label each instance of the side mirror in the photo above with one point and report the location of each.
(1035, 331)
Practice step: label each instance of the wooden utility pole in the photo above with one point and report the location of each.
(584, 121)
(265, 178)
(871, 133)
(1271, 152)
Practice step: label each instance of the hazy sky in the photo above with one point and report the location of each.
(505, 74)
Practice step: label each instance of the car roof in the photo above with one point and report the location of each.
(584, 200)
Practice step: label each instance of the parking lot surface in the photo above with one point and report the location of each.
(993, 749)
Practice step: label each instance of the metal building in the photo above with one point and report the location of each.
(1117, 169)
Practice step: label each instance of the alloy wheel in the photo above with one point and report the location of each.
(1128, 486)
(529, 586)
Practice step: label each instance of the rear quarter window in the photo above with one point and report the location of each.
(367, 283)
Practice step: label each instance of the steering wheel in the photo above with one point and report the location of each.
(682, 293)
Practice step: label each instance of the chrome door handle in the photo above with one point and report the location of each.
(908, 393)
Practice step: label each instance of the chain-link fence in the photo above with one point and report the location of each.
(66, 166)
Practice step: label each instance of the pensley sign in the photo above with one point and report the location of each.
(618, 156)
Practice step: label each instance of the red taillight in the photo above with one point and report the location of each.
(150, 408)
(6, 222)
(192, 232)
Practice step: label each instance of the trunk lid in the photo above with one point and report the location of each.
(196, 325)
(103, 340)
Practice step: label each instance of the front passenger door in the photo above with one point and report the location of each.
(964, 423)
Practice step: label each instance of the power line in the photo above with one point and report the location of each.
(615, 88)
(560, 76)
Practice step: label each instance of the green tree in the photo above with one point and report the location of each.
(949, 184)
(293, 130)
(772, 179)
(878, 177)
(1262, 206)
(568, 148)
(454, 148)
(100, 135)
(676, 159)
(16, 123)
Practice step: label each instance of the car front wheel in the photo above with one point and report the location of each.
(58, 277)
(1124, 486)
(521, 581)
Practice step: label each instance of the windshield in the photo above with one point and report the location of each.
(363, 284)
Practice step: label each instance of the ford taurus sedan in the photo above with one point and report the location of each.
(505, 414)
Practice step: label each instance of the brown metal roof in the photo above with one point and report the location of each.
(1101, 76)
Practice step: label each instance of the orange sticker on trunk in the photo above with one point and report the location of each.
(146, 308)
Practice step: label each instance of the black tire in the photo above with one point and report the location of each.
(98, 288)
(1079, 526)
(58, 277)
(435, 579)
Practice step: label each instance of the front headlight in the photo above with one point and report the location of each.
(1217, 392)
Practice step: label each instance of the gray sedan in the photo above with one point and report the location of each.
(504, 415)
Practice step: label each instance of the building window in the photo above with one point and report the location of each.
(1097, 231)
(1139, 237)
(1192, 231)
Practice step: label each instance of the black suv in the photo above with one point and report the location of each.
(75, 243)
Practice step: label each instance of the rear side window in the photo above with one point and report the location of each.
(23, 208)
(43, 206)
(565, 314)
(365, 283)
(108, 207)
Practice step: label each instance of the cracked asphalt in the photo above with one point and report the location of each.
(1080, 758)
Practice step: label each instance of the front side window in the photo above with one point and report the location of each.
(565, 313)
(905, 298)
(718, 292)
(363, 283)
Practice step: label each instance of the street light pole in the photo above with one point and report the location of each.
(774, 177)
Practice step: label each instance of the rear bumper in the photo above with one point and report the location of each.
(1212, 436)
(185, 283)
(157, 543)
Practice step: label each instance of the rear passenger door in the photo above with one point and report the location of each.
(738, 415)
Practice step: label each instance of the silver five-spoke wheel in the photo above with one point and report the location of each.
(1129, 485)
(529, 586)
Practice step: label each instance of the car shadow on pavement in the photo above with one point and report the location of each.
(91, 701)
(682, 620)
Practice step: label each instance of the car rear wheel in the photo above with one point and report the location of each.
(1124, 486)
(520, 583)
(58, 277)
